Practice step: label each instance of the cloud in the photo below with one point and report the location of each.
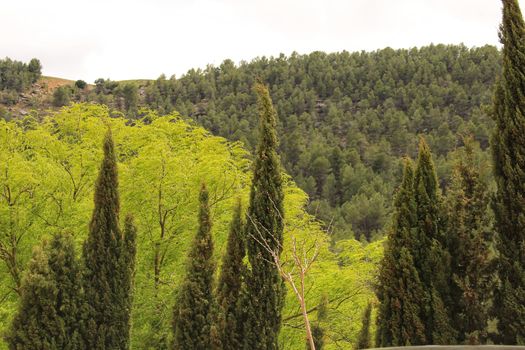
(144, 38)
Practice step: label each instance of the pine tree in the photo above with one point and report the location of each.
(364, 339)
(264, 230)
(106, 251)
(400, 290)
(508, 147)
(229, 287)
(432, 261)
(194, 310)
(469, 243)
(37, 324)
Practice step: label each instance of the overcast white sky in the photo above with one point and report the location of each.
(130, 39)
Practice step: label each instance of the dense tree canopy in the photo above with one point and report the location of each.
(346, 121)
(346, 118)
(52, 166)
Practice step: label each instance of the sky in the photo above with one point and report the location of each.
(141, 39)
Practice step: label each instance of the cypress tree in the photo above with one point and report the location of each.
(264, 230)
(52, 306)
(363, 340)
(106, 251)
(431, 259)
(69, 304)
(37, 324)
(194, 311)
(400, 290)
(508, 147)
(127, 271)
(230, 283)
(469, 244)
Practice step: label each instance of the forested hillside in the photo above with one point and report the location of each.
(345, 118)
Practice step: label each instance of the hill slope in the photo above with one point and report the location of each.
(345, 119)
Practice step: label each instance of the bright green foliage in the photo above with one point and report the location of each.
(193, 317)
(364, 339)
(508, 147)
(469, 243)
(162, 164)
(400, 290)
(106, 283)
(229, 286)
(264, 232)
(37, 324)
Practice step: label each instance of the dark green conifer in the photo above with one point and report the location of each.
(427, 208)
(364, 338)
(194, 311)
(469, 243)
(431, 259)
(400, 290)
(37, 324)
(229, 287)
(70, 303)
(508, 146)
(127, 271)
(52, 307)
(106, 252)
(438, 321)
(264, 231)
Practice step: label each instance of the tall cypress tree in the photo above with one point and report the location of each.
(431, 259)
(230, 283)
(508, 147)
(52, 308)
(127, 272)
(105, 251)
(37, 324)
(400, 290)
(469, 243)
(70, 303)
(364, 338)
(194, 311)
(264, 230)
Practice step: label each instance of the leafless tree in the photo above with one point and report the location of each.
(293, 270)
